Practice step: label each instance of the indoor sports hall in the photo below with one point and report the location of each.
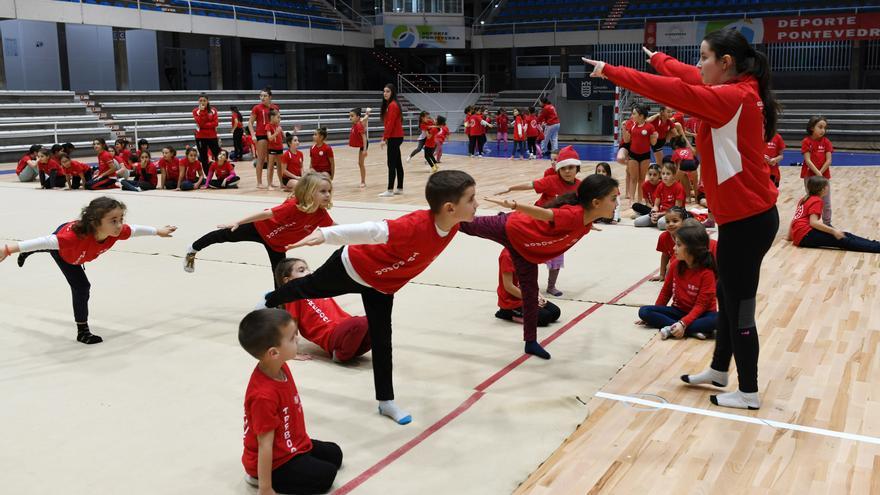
(159, 405)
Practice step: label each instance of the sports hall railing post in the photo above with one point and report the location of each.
(135, 131)
(55, 130)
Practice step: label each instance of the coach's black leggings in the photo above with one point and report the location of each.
(244, 233)
(395, 164)
(741, 249)
(312, 472)
(205, 144)
(331, 280)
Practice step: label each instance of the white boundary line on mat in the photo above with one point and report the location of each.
(737, 417)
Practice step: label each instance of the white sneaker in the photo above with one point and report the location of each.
(250, 480)
(386, 194)
(700, 336)
(398, 192)
(665, 333)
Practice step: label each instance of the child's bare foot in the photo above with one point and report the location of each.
(260, 186)
(362, 185)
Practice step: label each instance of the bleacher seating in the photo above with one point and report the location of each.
(45, 117)
(165, 117)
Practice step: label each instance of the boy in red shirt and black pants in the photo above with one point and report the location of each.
(377, 259)
(278, 453)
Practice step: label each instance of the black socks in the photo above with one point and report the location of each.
(85, 336)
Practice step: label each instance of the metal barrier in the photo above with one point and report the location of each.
(441, 83)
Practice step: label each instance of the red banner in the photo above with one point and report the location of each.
(836, 27)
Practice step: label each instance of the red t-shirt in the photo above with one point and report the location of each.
(539, 241)
(442, 134)
(551, 186)
(316, 319)
(663, 127)
(519, 128)
(692, 291)
(431, 140)
(477, 128)
(50, 165)
(682, 154)
(170, 168)
(531, 126)
(78, 250)
(356, 136)
(666, 244)
(105, 162)
(190, 169)
(649, 192)
(800, 223)
(123, 157)
(277, 142)
(502, 121)
(413, 243)
(273, 405)
(293, 160)
(320, 157)
(221, 172)
(146, 174)
(506, 300)
(668, 195)
(640, 137)
(261, 117)
(548, 115)
(817, 149)
(207, 120)
(22, 163)
(76, 168)
(393, 121)
(289, 224)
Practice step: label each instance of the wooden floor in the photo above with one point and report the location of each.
(819, 320)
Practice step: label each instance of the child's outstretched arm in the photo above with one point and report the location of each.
(536, 212)
(349, 234)
(525, 186)
(256, 217)
(143, 230)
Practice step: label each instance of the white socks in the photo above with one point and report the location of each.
(715, 377)
(738, 399)
(390, 409)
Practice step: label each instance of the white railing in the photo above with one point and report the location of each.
(253, 14)
(442, 83)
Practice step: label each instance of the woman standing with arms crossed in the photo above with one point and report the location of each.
(257, 128)
(392, 137)
(729, 91)
(207, 119)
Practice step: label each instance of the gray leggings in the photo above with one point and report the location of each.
(645, 221)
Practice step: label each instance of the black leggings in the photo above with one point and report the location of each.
(532, 149)
(429, 156)
(741, 249)
(547, 314)
(79, 286)
(641, 209)
(244, 233)
(472, 145)
(850, 242)
(237, 146)
(203, 145)
(52, 179)
(331, 280)
(133, 185)
(395, 164)
(481, 141)
(420, 147)
(218, 183)
(312, 472)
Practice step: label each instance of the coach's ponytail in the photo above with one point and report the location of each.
(752, 62)
(592, 187)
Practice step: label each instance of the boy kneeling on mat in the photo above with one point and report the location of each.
(278, 453)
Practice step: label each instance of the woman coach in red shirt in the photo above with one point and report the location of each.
(729, 90)
(392, 137)
(207, 119)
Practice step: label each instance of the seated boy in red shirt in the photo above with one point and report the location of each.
(510, 297)
(278, 453)
(377, 259)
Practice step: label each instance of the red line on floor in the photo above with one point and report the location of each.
(479, 392)
(382, 464)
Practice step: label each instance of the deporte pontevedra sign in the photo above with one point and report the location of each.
(827, 27)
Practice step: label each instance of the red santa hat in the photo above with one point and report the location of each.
(567, 156)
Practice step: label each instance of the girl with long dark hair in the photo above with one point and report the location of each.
(729, 91)
(392, 138)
